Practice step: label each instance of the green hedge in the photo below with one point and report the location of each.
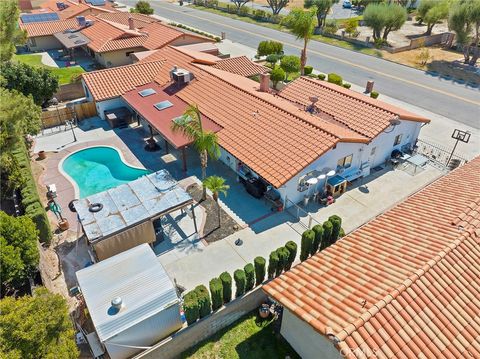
(239, 276)
(204, 303)
(249, 276)
(216, 290)
(191, 307)
(291, 246)
(318, 229)
(306, 245)
(282, 253)
(374, 94)
(335, 79)
(259, 263)
(272, 264)
(336, 227)
(226, 279)
(308, 70)
(347, 85)
(31, 203)
(321, 77)
(327, 234)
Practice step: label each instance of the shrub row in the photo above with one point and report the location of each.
(281, 259)
(321, 236)
(197, 303)
(185, 27)
(31, 203)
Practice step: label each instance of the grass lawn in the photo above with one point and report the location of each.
(64, 74)
(243, 339)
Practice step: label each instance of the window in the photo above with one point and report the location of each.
(398, 140)
(345, 162)
(372, 152)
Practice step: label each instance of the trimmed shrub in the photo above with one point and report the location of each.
(272, 264)
(272, 59)
(282, 253)
(204, 303)
(277, 75)
(259, 14)
(240, 281)
(374, 94)
(226, 279)
(231, 9)
(330, 27)
(191, 307)
(259, 263)
(243, 11)
(249, 277)
(347, 85)
(337, 226)
(308, 70)
(318, 229)
(321, 77)
(291, 247)
(266, 48)
(216, 290)
(290, 64)
(327, 234)
(335, 79)
(341, 234)
(306, 245)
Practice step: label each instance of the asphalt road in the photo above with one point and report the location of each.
(446, 98)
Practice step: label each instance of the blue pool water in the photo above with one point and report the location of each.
(97, 169)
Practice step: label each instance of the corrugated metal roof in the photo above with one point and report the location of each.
(132, 203)
(138, 278)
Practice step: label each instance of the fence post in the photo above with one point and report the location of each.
(309, 221)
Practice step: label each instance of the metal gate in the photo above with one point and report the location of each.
(440, 155)
(303, 220)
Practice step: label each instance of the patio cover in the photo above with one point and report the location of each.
(71, 40)
(162, 120)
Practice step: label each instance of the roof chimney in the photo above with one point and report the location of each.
(117, 303)
(265, 82)
(131, 26)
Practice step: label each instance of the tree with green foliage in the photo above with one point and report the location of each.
(216, 291)
(464, 20)
(351, 26)
(431, 12)
(318, 229)
(240, 282)
(226, 279)
(272, 264)
(323, 8)
(277, 75)
(269, 47)
(191, 307)
(290, 64)
(336, 227)
(301, 24)
(36, 81)
(282, 263)
(277, 5)
(204, 301)
(36, 326)
(259, 263)
(10, 33)
(216, 185)
(291, 246)
(249, 276)
(18, 249)
(384, 17)
(204, 141)
(272, 60)
(327, 235)
(306, 244)
(142, 7)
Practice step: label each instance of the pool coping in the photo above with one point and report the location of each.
(73, 182)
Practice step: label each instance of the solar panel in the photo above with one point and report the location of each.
(96, 2)
(147, 92)
(29, 18)
(163, 105)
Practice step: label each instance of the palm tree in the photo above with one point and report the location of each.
(217, 185)
(301, 24)
(205, 142)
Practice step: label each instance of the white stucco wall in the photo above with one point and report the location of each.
(42, 43)
(308, 343)
(103, 106)
(116, 58)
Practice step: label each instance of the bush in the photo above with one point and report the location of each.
(275, 19)
(283, 254)
(327, 234)
(216, 290)
(318, 230)
(342, 233)
(290, 64)
(240, 282)
(374, 94)
(266, 48)
(330, 27)
(272, 59)
(231, 9)
(347, 85)
(249, 277)
(204, 303)
(272, 264)
(243, 11)
(226, 279)
(306, 245)
(259, 263)
(337, 226)
(335, 79)
(351, 26)
(259, 14)
(291, 247)
(308, 70)
(191, 307)
(277, 75)
(321, 76)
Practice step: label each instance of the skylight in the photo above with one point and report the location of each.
(163, 105)
(147, 92)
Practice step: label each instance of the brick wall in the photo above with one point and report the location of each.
(176, 344)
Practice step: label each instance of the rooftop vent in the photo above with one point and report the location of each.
(88, 22)
(312, 107)
(81, 21)
(116, 305)
(180, 76)
(61, 5)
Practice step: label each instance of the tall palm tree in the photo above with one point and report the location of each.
(217, 185)
(205, 142)
(301, 24)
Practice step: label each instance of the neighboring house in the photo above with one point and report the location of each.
(404, 285)
(266, 136)
(132, 302)
(69, 9)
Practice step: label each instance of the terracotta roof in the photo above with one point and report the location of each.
(139, 20)
(198, 57)
(35, 29)
(360, 113)
(241, 65)
(160, 35)
(350, 281)
(114, 82)
(74, 8)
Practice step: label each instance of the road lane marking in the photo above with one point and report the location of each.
(332, 58)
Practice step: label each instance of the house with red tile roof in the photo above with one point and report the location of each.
(69, 9)
(404, 285)
(264, 137)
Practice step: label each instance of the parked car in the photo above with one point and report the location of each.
(347, 4)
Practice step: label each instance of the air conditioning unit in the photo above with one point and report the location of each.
(181, 76)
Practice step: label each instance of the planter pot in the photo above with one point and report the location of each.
(63, 225)
(42, 155)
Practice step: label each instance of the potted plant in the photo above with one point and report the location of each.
(42, 155)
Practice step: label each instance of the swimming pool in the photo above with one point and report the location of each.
(97, 169)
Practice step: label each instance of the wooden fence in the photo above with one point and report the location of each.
(59, 116)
